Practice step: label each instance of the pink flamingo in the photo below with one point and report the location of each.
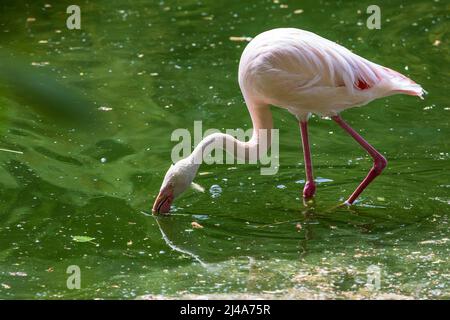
(304, 73)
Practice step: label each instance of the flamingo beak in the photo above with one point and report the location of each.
(163, 200)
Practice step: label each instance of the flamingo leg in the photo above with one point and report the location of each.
(379, 162)
(310, 187)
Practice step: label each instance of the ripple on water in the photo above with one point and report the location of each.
(215, 190)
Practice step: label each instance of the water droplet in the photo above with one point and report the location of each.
(215, 190)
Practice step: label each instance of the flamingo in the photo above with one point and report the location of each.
(305, 74)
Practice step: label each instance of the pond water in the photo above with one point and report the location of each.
(152, 67)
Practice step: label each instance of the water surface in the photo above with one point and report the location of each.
(153, 67)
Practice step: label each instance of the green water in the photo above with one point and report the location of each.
(162, 65)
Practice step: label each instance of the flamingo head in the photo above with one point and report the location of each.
(177, 179)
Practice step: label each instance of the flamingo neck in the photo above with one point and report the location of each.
(247, 151)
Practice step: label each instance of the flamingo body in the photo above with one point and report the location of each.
(305, 73)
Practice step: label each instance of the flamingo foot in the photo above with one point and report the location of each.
(346, 203)
(341, 205)
(309, 190)
(310, 203)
